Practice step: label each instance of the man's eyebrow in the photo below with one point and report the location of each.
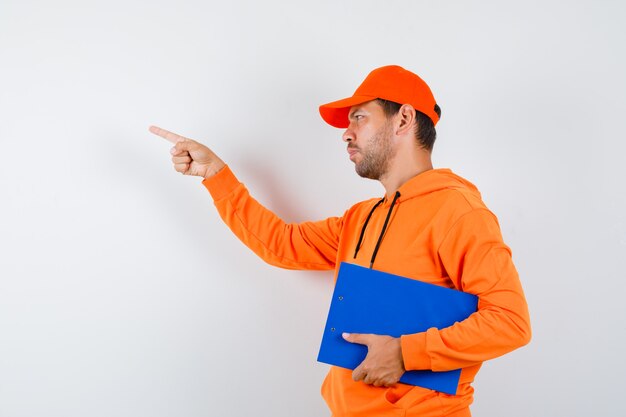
(351, 115)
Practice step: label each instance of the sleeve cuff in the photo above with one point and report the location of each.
(221, 184)
(414, 352)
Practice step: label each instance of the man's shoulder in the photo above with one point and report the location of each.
(444, 207)
(462, 198)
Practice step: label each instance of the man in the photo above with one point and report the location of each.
(431, 226)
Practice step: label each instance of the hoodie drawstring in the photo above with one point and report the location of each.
(358, 245)
(382, 232)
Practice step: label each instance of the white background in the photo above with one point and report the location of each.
(123, 294)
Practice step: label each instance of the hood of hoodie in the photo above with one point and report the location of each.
(435, 180)
(427, 182)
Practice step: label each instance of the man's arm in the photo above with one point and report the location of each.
(477, 261)
(308, 245)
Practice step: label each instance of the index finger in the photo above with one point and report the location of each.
(358, 374)
(166, 134)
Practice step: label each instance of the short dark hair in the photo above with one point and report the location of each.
(425, 132)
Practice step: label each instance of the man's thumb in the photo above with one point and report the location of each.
(185, 144)
(355, 338)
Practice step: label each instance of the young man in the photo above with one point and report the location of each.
(431, 226)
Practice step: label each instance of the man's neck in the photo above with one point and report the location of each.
(403, 169)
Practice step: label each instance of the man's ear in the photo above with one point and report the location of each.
(405, 120)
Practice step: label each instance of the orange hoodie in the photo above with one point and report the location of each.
(436, 229)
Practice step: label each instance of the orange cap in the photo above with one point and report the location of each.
(391, 83)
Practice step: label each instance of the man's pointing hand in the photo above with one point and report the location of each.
(190, 157)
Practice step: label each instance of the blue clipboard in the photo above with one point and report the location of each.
(370, 301)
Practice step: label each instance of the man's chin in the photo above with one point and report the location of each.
(365, 174)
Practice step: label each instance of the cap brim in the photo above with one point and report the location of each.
(336, 113)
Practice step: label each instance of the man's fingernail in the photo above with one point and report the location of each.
(345, 335)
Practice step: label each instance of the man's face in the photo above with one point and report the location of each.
(369, 140)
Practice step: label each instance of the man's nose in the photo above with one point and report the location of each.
(348, 136)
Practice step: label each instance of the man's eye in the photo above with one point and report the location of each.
(358, 116)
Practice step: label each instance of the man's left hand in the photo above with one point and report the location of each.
(383, 366)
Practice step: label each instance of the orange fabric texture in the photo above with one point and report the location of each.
(439, 232)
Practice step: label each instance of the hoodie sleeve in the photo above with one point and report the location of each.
(309, 245)
(478, 262)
